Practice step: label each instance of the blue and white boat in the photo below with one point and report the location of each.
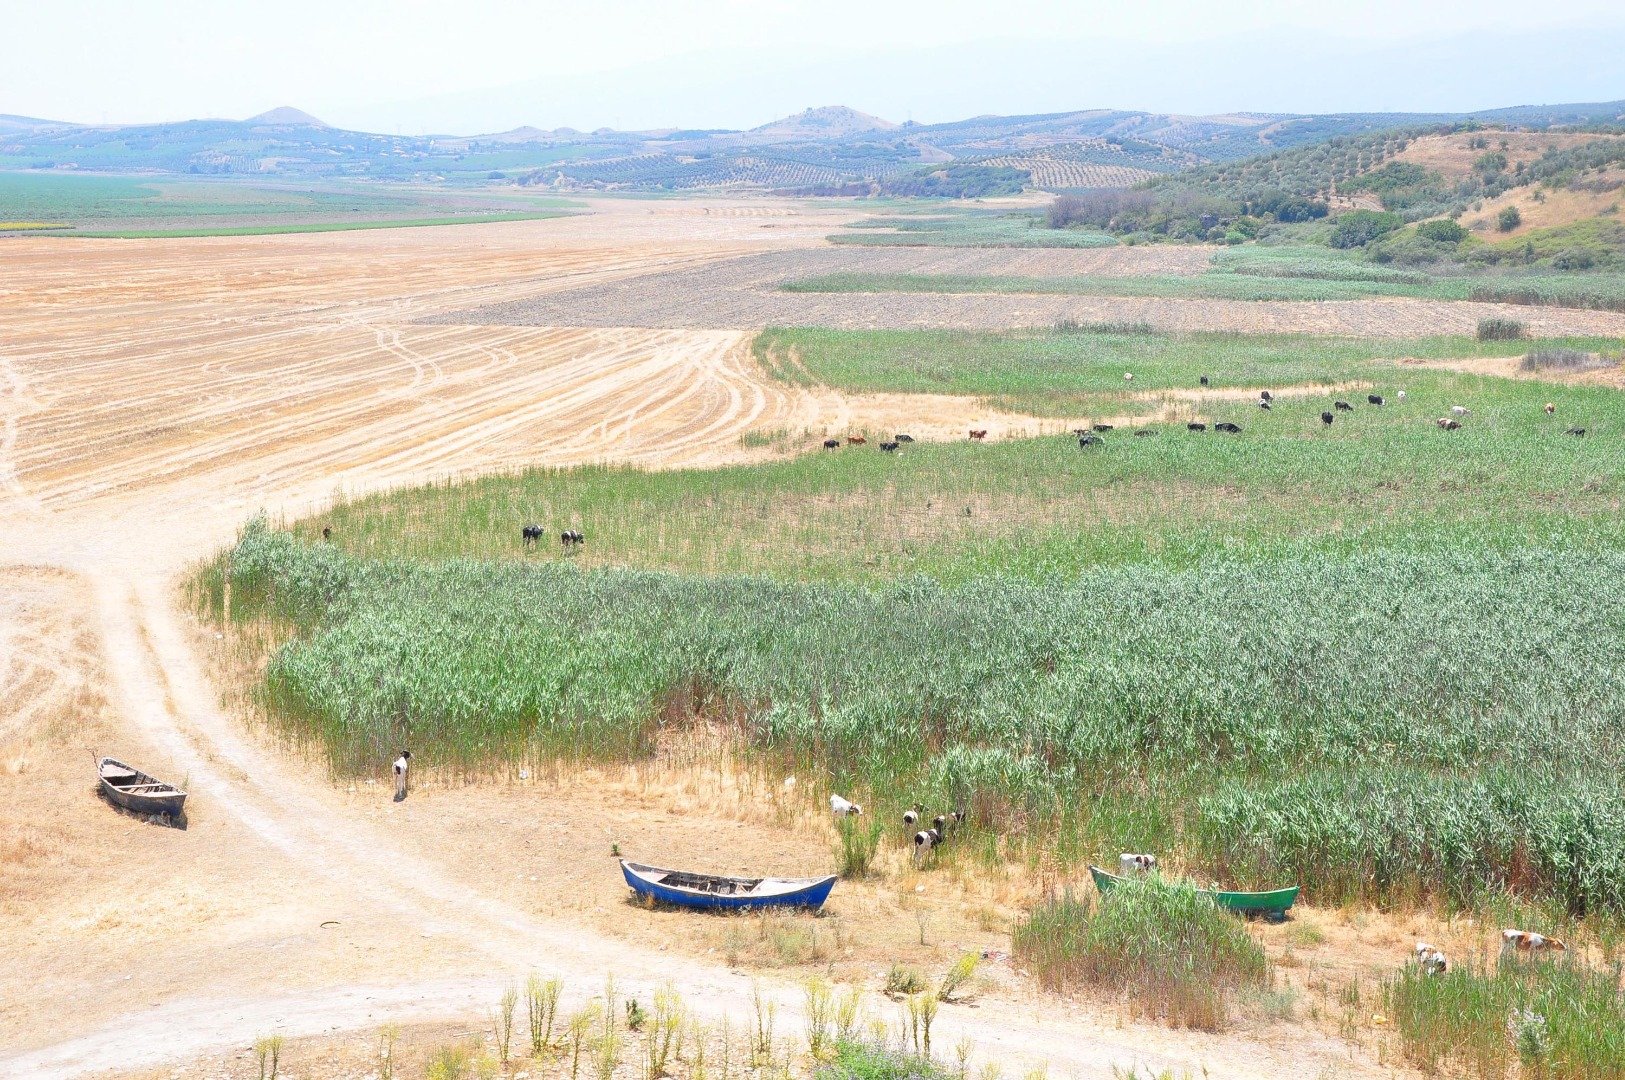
(714, 891)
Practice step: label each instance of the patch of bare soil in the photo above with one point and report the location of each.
(1511, 367)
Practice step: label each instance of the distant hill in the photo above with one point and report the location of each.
(286, 116)
(828, 122)
(833, 148)
(11, 125)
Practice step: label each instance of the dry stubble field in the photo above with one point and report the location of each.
(154, 394)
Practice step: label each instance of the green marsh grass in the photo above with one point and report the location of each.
(1558, 1019)
(1213, 286)
(1240, 652)
(1167, 947)
(1079, 373)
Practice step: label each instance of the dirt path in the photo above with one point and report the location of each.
(155, 394)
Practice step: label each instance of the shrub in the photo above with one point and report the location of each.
(868, 1061)
(1508, 219)
(858, 845)
(1562, 360)
(1169, 948)
(1359, 227)
(1558, 1019)
(1442, 230)
(1500, 330)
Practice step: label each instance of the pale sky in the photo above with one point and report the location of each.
(485, 65)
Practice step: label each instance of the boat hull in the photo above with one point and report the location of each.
(1272, 902)
(809, 893)
(116, 778)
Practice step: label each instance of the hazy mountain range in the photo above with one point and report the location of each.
(823, 147)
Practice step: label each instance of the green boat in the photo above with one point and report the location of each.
(1272, 903)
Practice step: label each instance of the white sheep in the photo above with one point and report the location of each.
(1460, 410)
(841, 808)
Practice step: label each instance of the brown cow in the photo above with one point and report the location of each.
(855, 440)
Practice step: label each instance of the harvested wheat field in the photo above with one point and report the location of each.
(156, 394)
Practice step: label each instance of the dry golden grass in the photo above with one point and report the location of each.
(1452, 157)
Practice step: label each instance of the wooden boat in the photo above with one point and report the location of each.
(714, 891)
(1274, 902)
(129, 787)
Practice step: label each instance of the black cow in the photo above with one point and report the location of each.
(1204, 380)
(1575, 431)
(888, 446)
(832, 444)
(1091, 440)
(1375, 399)
(1103, 427)
(1193, 426)
(1233, 429)
(1325, 418)
(1143, 432)
(1342, 406)
(531, 534)
(1265, 395)
(327, 532)
(571, 538)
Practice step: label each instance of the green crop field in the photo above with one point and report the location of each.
(1375, 658)
(966, 229)
(1080, 372)
(103, 206)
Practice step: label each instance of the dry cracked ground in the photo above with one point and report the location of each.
(154, 394)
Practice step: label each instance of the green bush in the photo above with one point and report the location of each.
(1442, 230)
(868, 1061)
(1174, 953)
(1359, 227)
(859, 840)
(1508, 219)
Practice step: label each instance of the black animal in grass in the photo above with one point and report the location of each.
(888, 446)
(1194, 426)
(1229, 428)
(1375, 399)
(1325, 418)
(327, 532)
(1103, 427)
(1264, 403)
(1265, 395)
(572, 538)
(832, 444)
(1204, 380)
(1576, 431)
(1144, 433)
(530, 534)
(902, 438)
(1342, 406)
(1091, 440)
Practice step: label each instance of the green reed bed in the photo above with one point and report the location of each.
(1200, 711)
(1558, 1019)
(1209, 286)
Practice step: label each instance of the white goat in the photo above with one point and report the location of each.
(1130, 865)
(841, 808)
